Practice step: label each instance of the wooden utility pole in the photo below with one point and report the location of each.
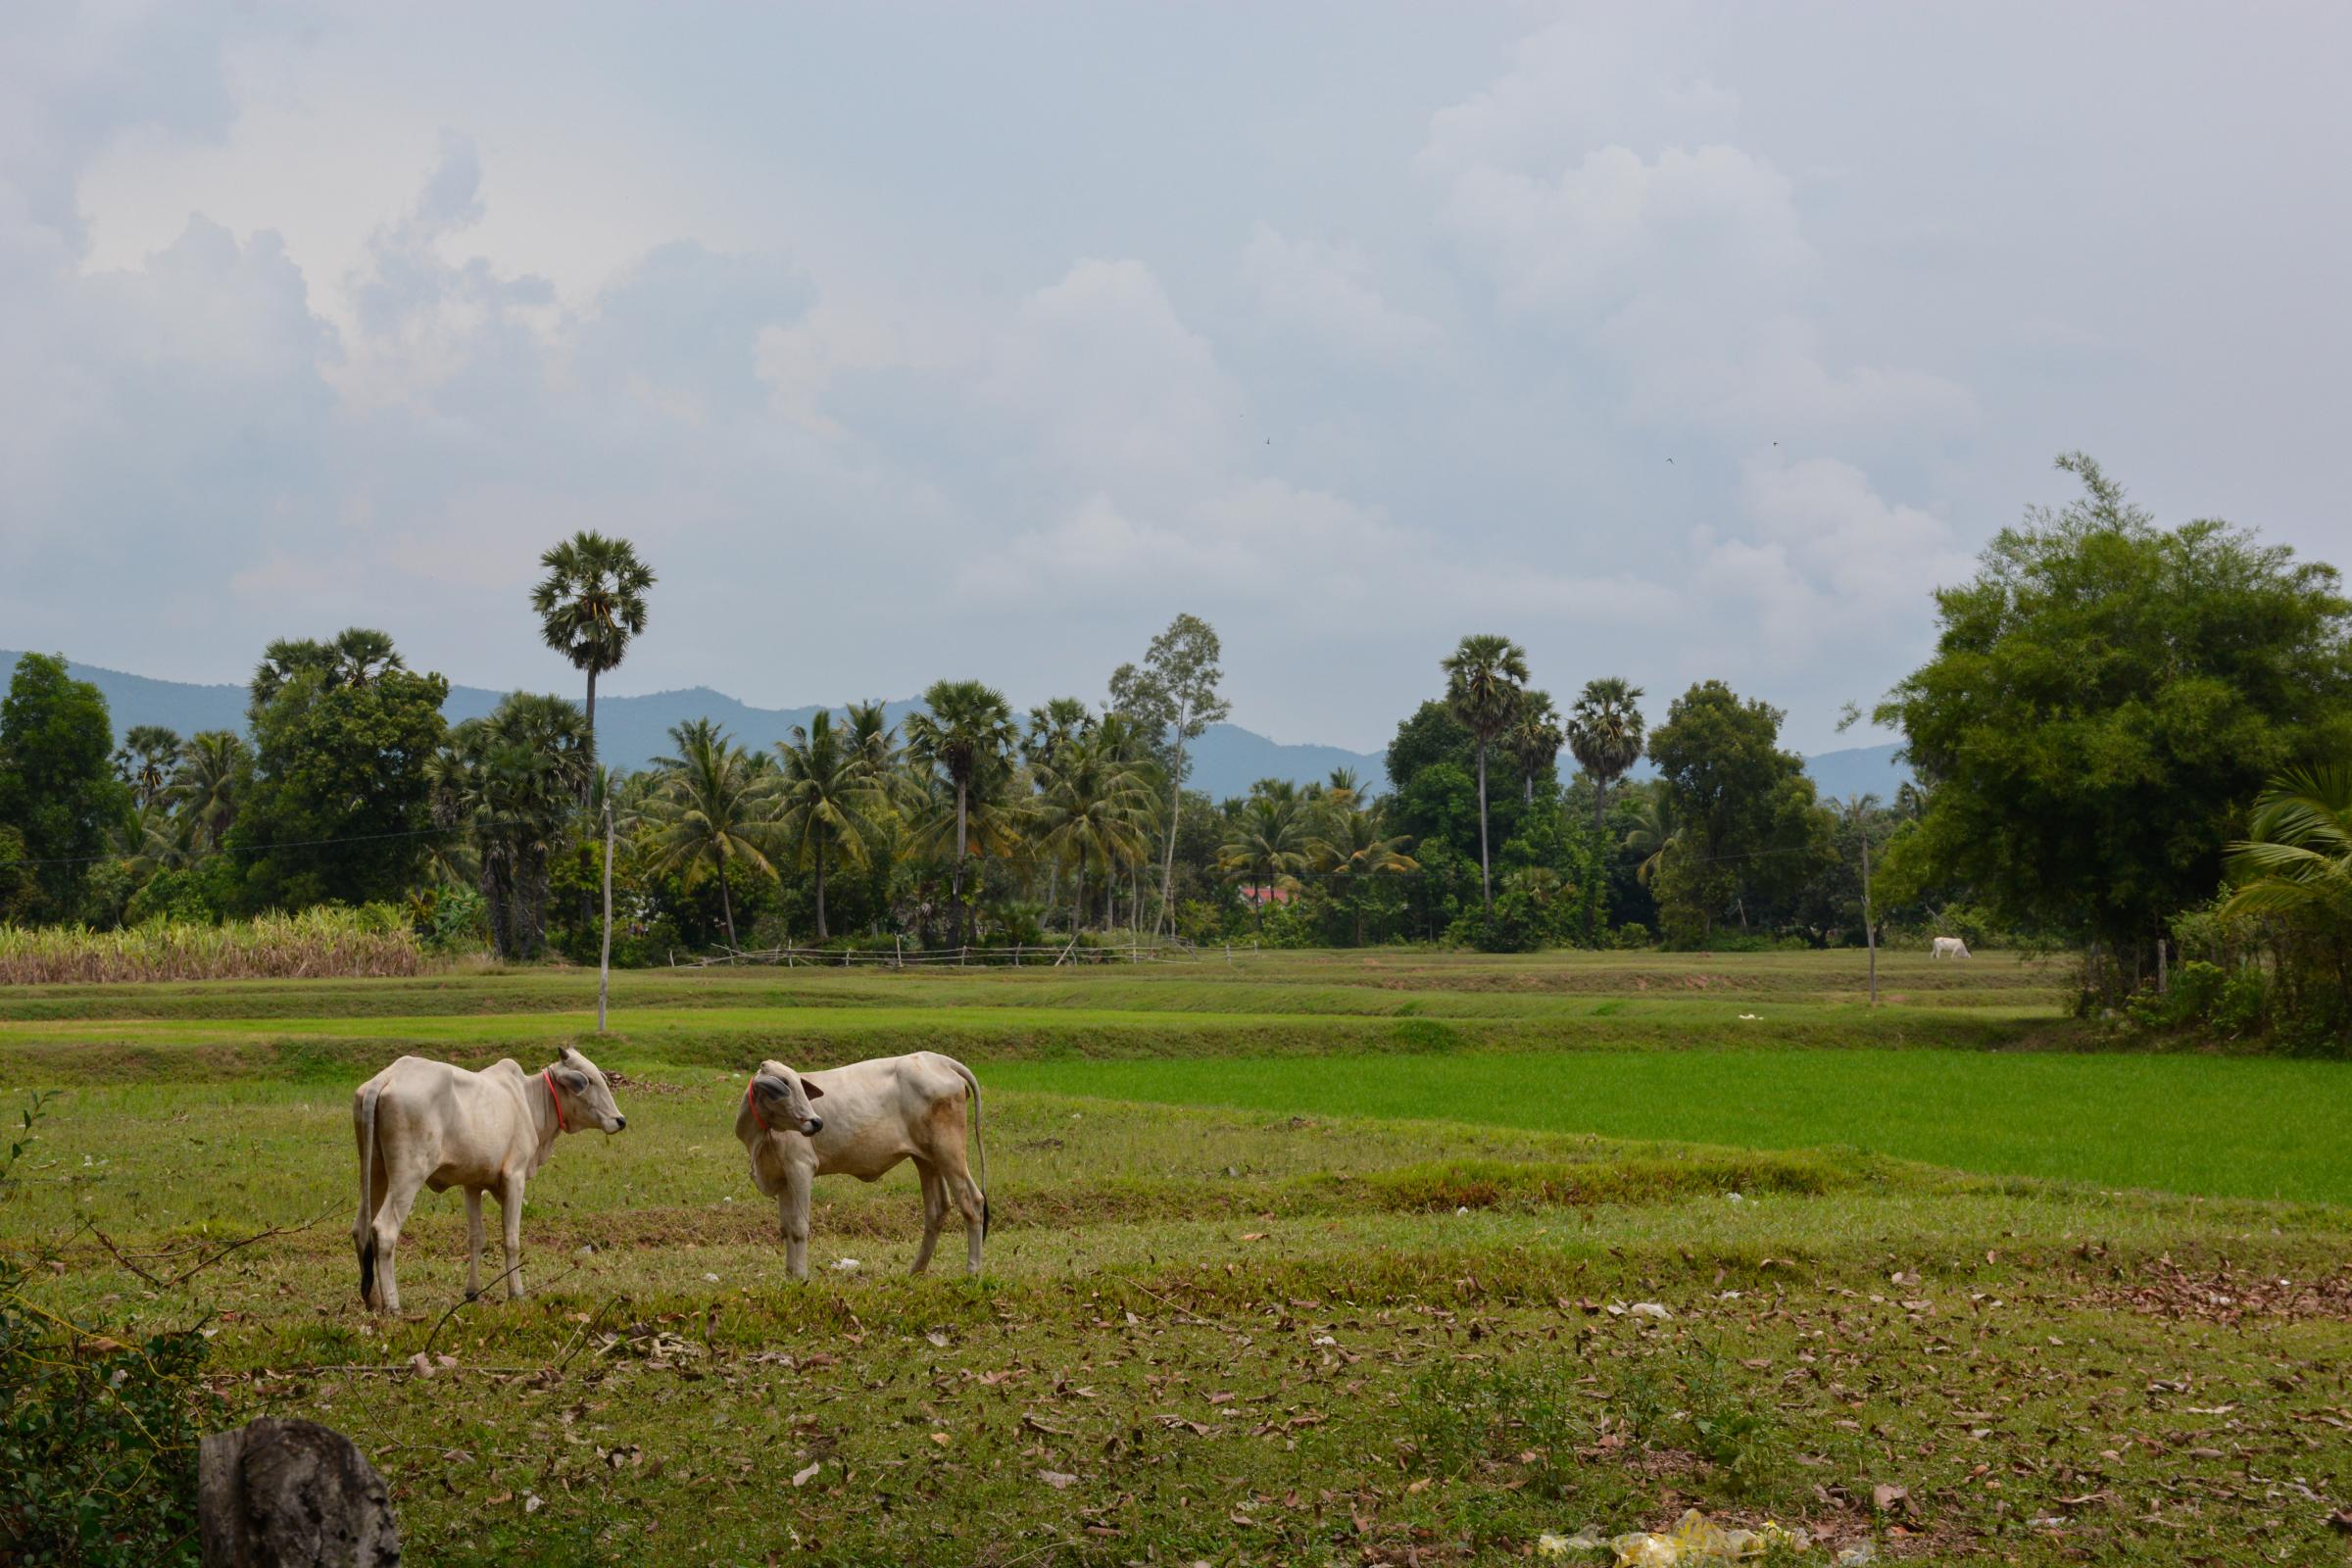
(1870, 925)
(604, 963)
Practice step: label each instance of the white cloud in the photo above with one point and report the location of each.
(1326, 291)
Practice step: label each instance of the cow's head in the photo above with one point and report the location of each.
(783, 1096)
(582, 1094)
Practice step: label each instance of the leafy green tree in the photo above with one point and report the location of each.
(19, 890)
(340, 807)
(963, 733)
(711, 810)
(1534, 740)
(591, 604)
(211, 780)
(57, 786)
(1751, 825)
(828, 802)
(1175, 696)
(2105, 701)
(1486, 678)
(513, 781)
(1431, 735)
(1604, 732)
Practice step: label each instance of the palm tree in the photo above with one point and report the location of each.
(711, 809)
(144, 761)
(2299, 847)
(825, 800)
(1267, 842)
(360, 653)
(511, 781)
(963, 733)
(1056, 723)
(1655, 830)
(1097, 803)
(215, 766)
(590, 604)
(1605, 734)
(1485, 678)
(1533, 739)
(1352, 849)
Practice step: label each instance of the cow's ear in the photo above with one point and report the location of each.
(810, 1090)
(767, 1088)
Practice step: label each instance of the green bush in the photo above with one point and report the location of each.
(97, 1438)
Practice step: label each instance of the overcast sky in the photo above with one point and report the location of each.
(980, 340)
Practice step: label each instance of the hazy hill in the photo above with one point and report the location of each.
(633, 730)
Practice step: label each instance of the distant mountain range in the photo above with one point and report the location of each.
(631, 731)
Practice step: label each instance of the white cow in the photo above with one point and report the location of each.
(876, 1113)
(423, 1123)
(1948, 948)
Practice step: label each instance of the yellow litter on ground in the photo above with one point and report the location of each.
(1695, 1541)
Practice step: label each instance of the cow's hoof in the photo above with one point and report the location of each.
(473, 1295)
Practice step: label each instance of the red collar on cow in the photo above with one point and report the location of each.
(751, 1097)
(555, 1099)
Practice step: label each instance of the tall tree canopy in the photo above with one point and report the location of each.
(963, 733)
(1604, 732)
(829, 803)
(1175, 698)
(340, 804)
(1486, 680)
(58, 788)
(590, 605)
(1749, 824)
(2105, 701)
(513, 781)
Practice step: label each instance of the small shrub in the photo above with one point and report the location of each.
(316, 943)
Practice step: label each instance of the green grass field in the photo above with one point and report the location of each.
(1314, 1259)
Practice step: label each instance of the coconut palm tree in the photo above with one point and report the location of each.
(2298, 851)
(1656, 830)
(710, 810)
(1267, 842)
(1098, 801)
(1352, 849)
(590, 604)
(1484, 680)
(215, 767)
(963, 735)
(1605, 733)
(1533, 739)
(510, 781)
(827, 798)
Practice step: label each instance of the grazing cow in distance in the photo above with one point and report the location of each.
(1948, 948)
(422, 1124)
(874, 1115)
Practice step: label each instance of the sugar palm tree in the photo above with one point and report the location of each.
(710, 810)
(1053, 724)
(1533, 739)
(144, 761)
(2298, 849)
(360, 653)
(963, 733)
(1352, 849)
(511, 782)
(1267, 842)
(1097, 801)
(590, 604)
(827, 798)
(215, 767)
(1484, 679)
(1604, 732)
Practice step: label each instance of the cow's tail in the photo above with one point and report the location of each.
(973, 1084)
(365, 1231)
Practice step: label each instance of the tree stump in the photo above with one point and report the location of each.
(281, 1493)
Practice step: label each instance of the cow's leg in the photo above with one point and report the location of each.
(473, 1242)
(792, 1216)
(935, 1212)
(510, 1213)
(956, 1177)
(400, 1197)
(363, 1232)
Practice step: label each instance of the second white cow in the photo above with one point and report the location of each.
(421, 1123)
(1948, 948)
(860, 1120)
